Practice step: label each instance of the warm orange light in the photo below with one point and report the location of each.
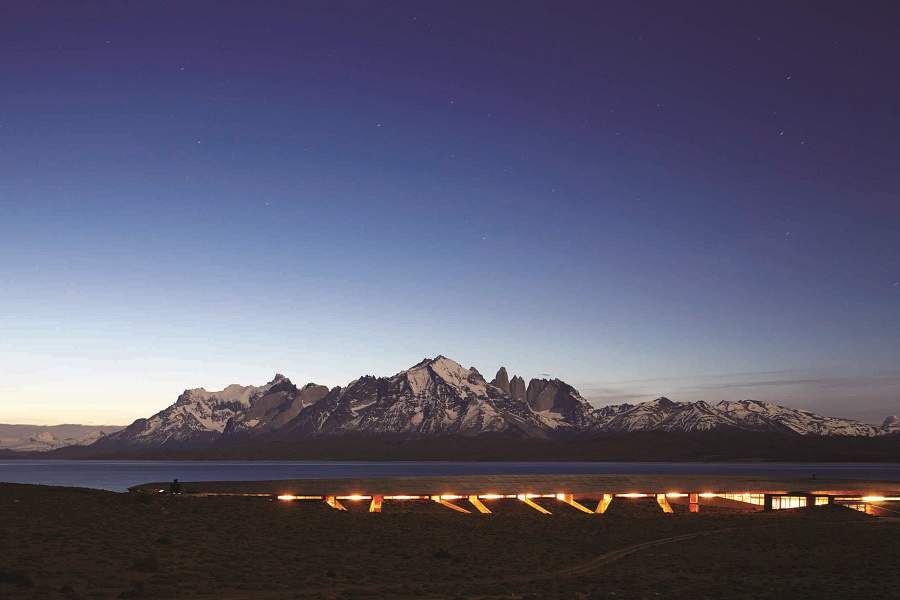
(405, 497)
(874, 498)
(354, 497)
(675, 495)
(493, 496)
(451, 497)
(287, 497)
(479, 506)
(631, 495)
(707, 495)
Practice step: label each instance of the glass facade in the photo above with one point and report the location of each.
(781, 502)
(756, 499)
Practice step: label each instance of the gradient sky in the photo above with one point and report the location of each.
(643, 198)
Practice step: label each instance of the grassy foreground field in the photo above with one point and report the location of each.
(74, 543)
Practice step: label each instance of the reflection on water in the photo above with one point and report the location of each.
(119, 475)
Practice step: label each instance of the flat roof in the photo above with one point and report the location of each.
(514, 484)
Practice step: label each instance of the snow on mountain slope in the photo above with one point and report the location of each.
(756, 415)
(441, 397)
(275, 407)
(198, 415)
(663, 414)
(435, 396)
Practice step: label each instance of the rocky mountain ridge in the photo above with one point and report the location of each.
(439, 397)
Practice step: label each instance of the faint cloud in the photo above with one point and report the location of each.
(713, 376)
(602, 396)
(822, 382)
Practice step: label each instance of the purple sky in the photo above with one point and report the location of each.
(641, 198)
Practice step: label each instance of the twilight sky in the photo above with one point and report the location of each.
(695, 200)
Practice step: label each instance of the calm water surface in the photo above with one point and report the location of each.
(118, 475)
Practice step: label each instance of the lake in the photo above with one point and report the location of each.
(118, 475)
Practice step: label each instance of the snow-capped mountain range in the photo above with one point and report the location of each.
(439, 397)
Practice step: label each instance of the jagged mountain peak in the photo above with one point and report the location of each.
(423, 376)
(663, 402)
(501, 380)
(437, 360)
(232, 394)
(517, 388)
(438, 396)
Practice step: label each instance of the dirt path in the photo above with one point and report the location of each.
(591, 566)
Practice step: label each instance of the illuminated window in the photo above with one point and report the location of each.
(782, 502)
(820, 500)
(755, 499)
